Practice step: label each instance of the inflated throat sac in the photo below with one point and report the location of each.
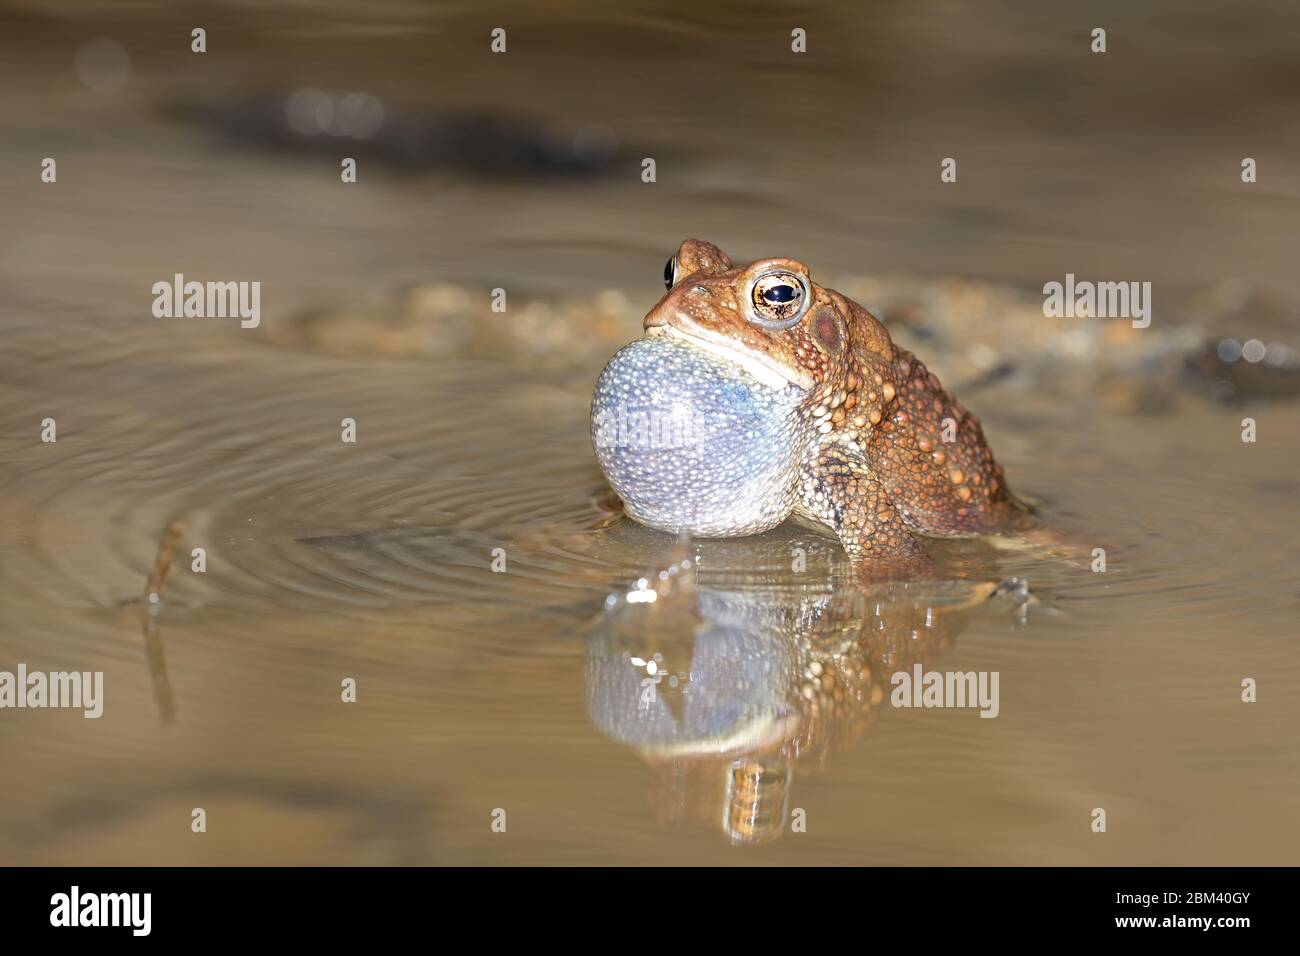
(694, 443)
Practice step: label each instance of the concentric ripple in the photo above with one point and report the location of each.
(241, 445)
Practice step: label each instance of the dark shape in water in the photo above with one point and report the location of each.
(311, 122)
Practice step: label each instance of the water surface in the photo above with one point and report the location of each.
(480, 690)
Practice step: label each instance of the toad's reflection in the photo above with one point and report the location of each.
(730, 690)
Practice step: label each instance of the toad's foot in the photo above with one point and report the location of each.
(839, 491)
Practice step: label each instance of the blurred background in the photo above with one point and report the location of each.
(1122, 163)
(522, 170)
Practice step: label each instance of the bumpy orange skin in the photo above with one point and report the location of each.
(896, 454)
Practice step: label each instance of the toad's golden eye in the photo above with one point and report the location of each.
(670, 272)
(779, 299)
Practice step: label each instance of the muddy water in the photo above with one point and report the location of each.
(479, 690)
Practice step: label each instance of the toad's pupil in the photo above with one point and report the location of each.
(668, 274)
(781, 293)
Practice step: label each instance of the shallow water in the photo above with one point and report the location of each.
(480, 690)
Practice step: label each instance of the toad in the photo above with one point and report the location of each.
(758, 395)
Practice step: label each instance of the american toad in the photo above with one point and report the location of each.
(779, 398)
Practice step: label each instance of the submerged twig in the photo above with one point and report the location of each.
(162, 564)
(153, 645)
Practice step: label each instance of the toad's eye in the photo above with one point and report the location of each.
(780, 299)
(670, 272)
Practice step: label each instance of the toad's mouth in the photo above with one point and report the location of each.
(768, 372)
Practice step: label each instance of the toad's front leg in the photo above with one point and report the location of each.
(838, 490)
